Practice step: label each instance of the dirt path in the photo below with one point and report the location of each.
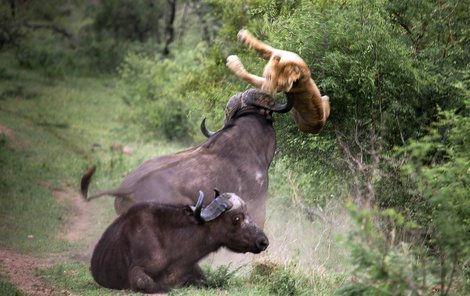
(20, 268)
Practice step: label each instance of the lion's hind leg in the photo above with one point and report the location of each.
(251, 41)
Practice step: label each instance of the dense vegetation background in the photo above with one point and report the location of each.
(396, 149)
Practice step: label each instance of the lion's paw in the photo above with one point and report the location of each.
(244, 36)
(234, 64)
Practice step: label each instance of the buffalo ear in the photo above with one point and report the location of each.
(217, 192)
(188, 211)
(198, 207)
(216, 208)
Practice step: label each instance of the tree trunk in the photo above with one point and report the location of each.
(169, 29)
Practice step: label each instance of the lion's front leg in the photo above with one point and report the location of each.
(236, 66)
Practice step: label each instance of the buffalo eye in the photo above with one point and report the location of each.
(237, 220)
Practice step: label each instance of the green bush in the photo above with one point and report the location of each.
(158, 88)
(40, 52)
(383, 255)
(219, 277)
(438, 164)
(281, 280)
(134, 20)
(86, 54)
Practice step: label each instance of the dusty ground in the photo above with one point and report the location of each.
(20, 268)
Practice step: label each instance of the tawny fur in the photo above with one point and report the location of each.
(285, 72)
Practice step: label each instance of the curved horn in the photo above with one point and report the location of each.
(258, 98)
(198, 207)
(204, 130)
(233, 105)
(236, 201)
(215, 208)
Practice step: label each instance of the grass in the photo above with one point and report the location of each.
(56, 134)
(7, 289)
(76, 278)
(263, 279)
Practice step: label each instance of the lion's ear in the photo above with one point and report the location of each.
(293, 72)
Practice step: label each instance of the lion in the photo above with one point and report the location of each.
(285, 72)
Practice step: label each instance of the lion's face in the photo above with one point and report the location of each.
(279, 77)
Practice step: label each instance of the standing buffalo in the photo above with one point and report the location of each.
(234, 159)
(153, 247)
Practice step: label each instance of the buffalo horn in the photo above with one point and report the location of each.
(215, 208)
(204, 130)
(257, 98)
(197, 209)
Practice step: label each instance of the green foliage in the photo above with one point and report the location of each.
(158, 88)
(384, 259)
(287, 280)
(219, 277)
(130, 19)
(40, 56)
(439, 165)
(437, 31)
(80, 38)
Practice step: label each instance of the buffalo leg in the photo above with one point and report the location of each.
(142, 282)
(195, 276)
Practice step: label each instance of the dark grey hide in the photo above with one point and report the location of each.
(234, 159)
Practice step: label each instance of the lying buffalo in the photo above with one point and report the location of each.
(153, 247)
(234, 159)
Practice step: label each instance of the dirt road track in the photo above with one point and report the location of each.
(20, 268)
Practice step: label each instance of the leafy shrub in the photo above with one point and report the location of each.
(438, 164)
(94, 55)
(156, 87)
(280, 279)
(86, 54)
(42, 55)
(130, 19)
(385, 263)
(219, 277)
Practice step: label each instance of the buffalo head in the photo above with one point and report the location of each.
(252, 98)
(236, 230)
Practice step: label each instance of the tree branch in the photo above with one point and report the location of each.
(54, 28)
